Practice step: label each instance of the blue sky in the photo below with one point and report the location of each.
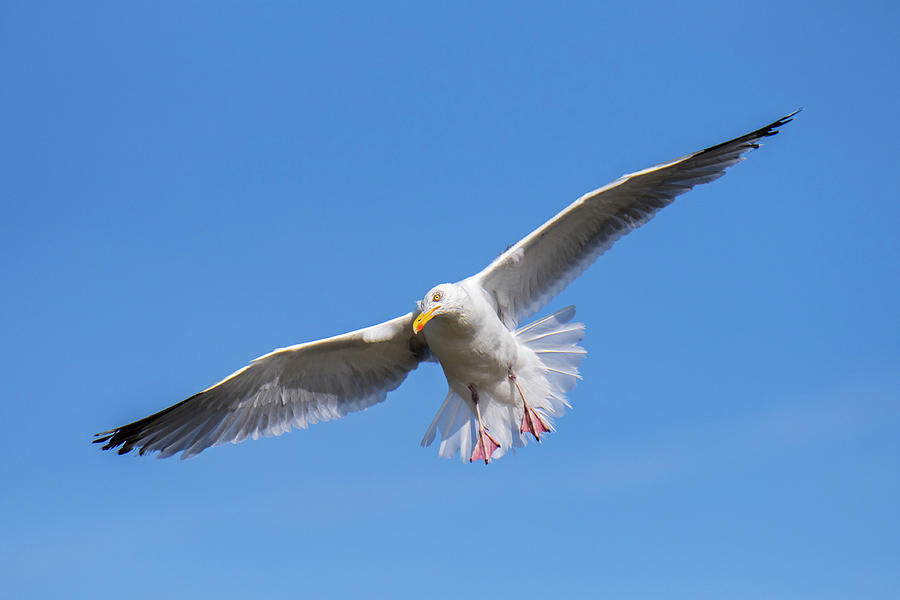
(189, 185)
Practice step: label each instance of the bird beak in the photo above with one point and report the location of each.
(423, 318)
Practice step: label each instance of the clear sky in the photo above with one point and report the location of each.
(188, 185)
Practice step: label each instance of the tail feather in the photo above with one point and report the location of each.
(548, 323)
(570, 336)
(432, 429)
(456, 421)
(562, 359)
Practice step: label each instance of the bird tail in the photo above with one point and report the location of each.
(456, 420)
(554, 341)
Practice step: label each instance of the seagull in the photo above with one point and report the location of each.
(507, 382)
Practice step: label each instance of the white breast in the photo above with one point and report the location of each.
(475, 347)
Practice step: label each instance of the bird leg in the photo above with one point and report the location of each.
(531, 421)
(485, 444)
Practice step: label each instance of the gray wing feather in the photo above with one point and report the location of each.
(529, 274)
(290, 387)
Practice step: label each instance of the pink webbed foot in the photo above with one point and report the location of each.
(485, 444)
(484, 447)
(533, 423)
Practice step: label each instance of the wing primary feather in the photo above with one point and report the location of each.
(531, 272)
(293, 386)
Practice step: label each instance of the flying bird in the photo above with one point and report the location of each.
(507, 381)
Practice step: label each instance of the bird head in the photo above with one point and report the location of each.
(443, 299)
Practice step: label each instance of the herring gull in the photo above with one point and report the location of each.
(506, 381)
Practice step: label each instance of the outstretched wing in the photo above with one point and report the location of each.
(530, 273)
(290, 387)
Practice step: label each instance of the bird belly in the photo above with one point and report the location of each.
(479, 356)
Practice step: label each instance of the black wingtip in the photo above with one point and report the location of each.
(785, 119)
(114, 438)
(133, 435)
(751, 140)
(772, 128)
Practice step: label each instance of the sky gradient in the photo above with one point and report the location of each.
(187, 186)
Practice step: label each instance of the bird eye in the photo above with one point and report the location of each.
(436, 297)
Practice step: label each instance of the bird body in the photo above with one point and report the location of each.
(493, 372)
(470, 342)
(507, 381)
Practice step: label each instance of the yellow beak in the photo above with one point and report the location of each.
(423, 318)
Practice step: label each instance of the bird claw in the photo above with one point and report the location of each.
(533, 423)
(484, 447)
